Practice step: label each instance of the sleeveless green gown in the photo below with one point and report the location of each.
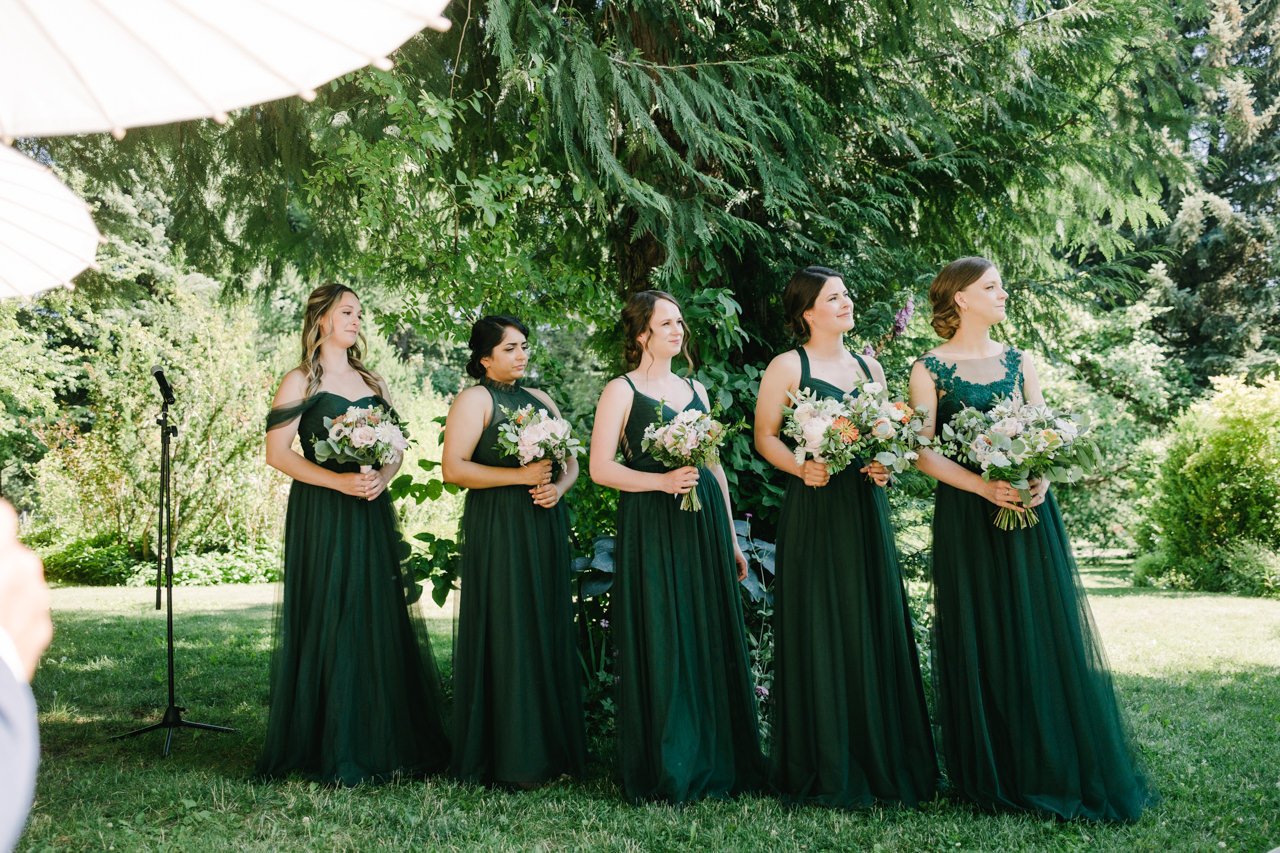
(1026, 709)
(851, 727)
(517, 705)
(355, 695)
(687, 724)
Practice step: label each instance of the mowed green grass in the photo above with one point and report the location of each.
(1199, 676)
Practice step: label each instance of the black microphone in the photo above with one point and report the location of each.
(166, 391)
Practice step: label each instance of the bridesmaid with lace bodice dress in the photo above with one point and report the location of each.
(517, 703)
(355, 696)
(1026, 709)
(851, 728)
(687, 725)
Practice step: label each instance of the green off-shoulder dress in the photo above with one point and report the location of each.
(517, 689)
(355, 695)
(1026, 709)
(687, 725)
(851, 727)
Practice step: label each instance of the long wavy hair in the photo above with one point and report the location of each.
(321, 301)
(636, 315)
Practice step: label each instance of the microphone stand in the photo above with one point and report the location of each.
(164, 570)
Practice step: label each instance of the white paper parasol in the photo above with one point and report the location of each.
(86, 66)
(46, 234)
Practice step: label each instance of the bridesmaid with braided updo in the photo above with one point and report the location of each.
(517, 693)
(1026, 708)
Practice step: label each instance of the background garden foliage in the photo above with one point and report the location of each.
(1116, 158)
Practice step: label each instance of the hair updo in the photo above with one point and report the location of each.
(487, 333)
(955, 277)
(801, 294)
(636, 315)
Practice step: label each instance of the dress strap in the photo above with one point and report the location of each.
(866, 371)
(804, 365)
(944, 375)
(632, 384)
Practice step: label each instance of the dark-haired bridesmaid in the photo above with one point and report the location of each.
(517, 692)
(687, 726)
(850, 725)
(1026, 708)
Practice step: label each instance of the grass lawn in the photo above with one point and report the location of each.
(1198, 674)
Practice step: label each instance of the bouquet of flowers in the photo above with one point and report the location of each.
(890, 430)
(369, 436)
(1020, 442)
(823, 430)
(867, 425)
(530, 434)
(690, 438)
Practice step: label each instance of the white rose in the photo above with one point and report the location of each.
(871, 389)
(1009, 427)
(363, 436)
(813, 431)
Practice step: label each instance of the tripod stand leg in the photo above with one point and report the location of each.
(141, 731)
(206, 726)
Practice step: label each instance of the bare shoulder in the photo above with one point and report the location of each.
(786, 363)
(475, 395)
(293, 385)
(616, 390)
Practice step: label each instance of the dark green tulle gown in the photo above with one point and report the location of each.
(355, 694)
(687, 724)
(1026, 708)
(851, 727)
(516, 676)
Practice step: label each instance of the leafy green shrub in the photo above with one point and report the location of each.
(216, 567)
(100, 560)
(1252, 569)
(1218, 487)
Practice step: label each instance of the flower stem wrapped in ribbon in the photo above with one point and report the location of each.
(1019, 443)
(367, 436)
(690, 438)
(531, 434)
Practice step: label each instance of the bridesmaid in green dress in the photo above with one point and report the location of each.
(851, 727)
(1026, 708)
(687, 725)
(355, 696)
(517, 697)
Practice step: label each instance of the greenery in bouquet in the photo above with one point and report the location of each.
(822, 429)
(370, 435)
(690, 438)
(530, 434)
(890, 431)
(1020, 442)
